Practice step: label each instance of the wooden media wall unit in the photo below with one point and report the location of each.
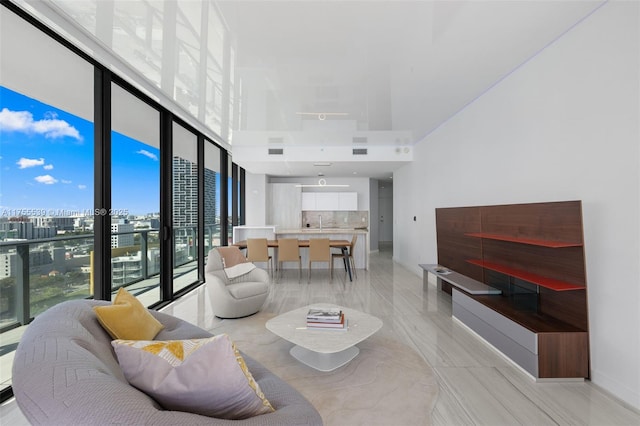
(534, 254)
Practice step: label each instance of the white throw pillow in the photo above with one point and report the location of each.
(239, 270)
(203, 376)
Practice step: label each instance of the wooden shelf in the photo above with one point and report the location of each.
(530, 241)
(549, 283)
(537, 322)
(467, 284)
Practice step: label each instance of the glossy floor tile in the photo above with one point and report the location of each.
(477, 385)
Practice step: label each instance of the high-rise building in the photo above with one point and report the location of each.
(121, 233)
(42, 260)
(25, 229)
(210, 197)
(185, 192)
(185, 205)
(59, 222)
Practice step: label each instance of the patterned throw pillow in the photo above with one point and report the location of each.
(127, 318)
(203, 376)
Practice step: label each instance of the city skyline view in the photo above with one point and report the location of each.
(46, 163)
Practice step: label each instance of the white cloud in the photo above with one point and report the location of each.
(46, 179)
(48, 167)
(50, 127)
(65, 181)
(148, 154)
(24, 163)
(82, 186)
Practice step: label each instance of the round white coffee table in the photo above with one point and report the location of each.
(324, 349)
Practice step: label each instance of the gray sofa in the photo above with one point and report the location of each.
(65, 372)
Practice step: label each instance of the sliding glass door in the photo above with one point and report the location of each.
(185, 207)
(211, 196)
(46, 178)
(135, 196)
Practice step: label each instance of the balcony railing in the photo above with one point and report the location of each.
(28, 288)
(38, 274)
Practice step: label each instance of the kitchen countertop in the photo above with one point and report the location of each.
(323, 231)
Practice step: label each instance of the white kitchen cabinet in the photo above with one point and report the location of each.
(308, 201)
(329, 201)
(348, 201)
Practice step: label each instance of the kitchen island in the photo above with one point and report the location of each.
(360, 253)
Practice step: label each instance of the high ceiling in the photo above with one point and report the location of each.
(322, 78)
(390, 71)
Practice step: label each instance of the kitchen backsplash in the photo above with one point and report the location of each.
(335, 219)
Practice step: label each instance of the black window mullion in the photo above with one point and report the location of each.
(166, 205)
(224, 198)
(102, 185)
(243, 197)
(201, 189)
(234, 194)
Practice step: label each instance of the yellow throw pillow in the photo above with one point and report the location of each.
(204, 376)
(127, 318)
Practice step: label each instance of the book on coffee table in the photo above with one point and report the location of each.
(343, 325)
(324, 315)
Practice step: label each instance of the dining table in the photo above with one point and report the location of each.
(343, 245)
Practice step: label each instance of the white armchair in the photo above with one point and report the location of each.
(236, 297)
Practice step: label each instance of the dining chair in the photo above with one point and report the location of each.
(320, 251)
(258, 251)
(346, 254)
(289, 251)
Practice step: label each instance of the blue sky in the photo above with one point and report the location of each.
(46, 161)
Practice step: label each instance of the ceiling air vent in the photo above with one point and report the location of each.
(359, 139)
(359, 151)
(275, 139)
(276, 151)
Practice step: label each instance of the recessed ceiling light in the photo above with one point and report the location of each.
(322, 115)
(322, 164)
(322, 183)
(326, 185)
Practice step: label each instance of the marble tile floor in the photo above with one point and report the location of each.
(477, 385)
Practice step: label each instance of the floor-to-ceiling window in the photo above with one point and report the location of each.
(135, 196)
(61, 114)
(185, 206)
(211, 196)
(46, 178)
(231, 218)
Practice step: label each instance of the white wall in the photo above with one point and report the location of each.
(563, 126)
(256, 199)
